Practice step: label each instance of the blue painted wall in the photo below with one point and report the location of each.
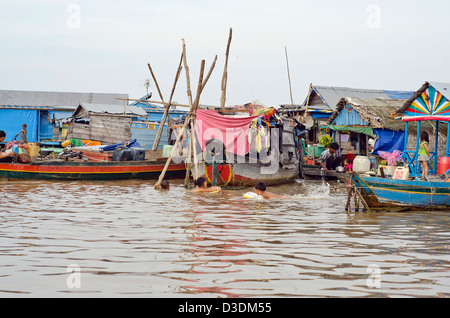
(349, 117)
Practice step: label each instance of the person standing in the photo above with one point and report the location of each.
(424, 154)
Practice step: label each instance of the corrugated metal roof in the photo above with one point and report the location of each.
(328, 97)
(114, 109)
(443, 88)
(46, 99)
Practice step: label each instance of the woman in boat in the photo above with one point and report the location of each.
(201, 185)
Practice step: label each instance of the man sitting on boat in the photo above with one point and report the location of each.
(329, 159)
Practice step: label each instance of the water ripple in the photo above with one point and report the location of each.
(128, 239)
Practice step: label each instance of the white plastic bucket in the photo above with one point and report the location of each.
(361, 164)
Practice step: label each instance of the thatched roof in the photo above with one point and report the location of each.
(378, 112)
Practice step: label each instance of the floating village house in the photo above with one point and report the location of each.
(321, 102)
(40, 111)
(356, 120)
(107, 124)
(145, 129)
(43, 113)
(428, 109)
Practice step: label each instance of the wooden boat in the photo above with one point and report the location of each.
(245, 174)
(224, 163)
(314, 172)
(387, 193)
(59, 169)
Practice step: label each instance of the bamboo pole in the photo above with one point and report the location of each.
(349, 198)
(186, 122)
(289, 76)
(193, 145)
(361, 199)
(156, 82)
(195, 105)
(225, 72)
(167, 106)
(193, 152)
(188, 78)
(307, 100)
(189, 94)
(189, 157)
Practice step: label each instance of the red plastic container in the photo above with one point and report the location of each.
(443, 165)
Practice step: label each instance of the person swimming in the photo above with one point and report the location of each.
(201, 185)
(260, 189)
(164, 185)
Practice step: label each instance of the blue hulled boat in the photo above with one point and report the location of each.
(387, 193)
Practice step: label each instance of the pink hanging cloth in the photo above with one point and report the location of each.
(232, 131)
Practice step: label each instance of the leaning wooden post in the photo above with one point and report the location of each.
(225, 73)
(186, 122)
(167, 107)
(189, 94)
(188, 78)
(192, 150)
(156, 82)
(194, 118)
(195, 106)
(349, 198)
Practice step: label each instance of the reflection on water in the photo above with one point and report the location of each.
(128, 239)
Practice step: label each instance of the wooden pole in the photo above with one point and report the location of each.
(189, 157)
(225, 72)
(186, 122)
(349, 198)
(188, 119)
(195, 105)
(156, 82)
(194, 152)
(289, 76)
(188, 78)
(167, 107)
(366, 206)
(309, 94)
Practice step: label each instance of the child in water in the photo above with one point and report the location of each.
(163, 186)
(260, 189)
(424, 154)
(201, 185)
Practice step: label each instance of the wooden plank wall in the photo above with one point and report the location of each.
(106, 129)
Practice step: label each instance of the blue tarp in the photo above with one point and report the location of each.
(132, 143)
(11, 121)
(399, 94)
(388, 140)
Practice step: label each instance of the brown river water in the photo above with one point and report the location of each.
(125, 239)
